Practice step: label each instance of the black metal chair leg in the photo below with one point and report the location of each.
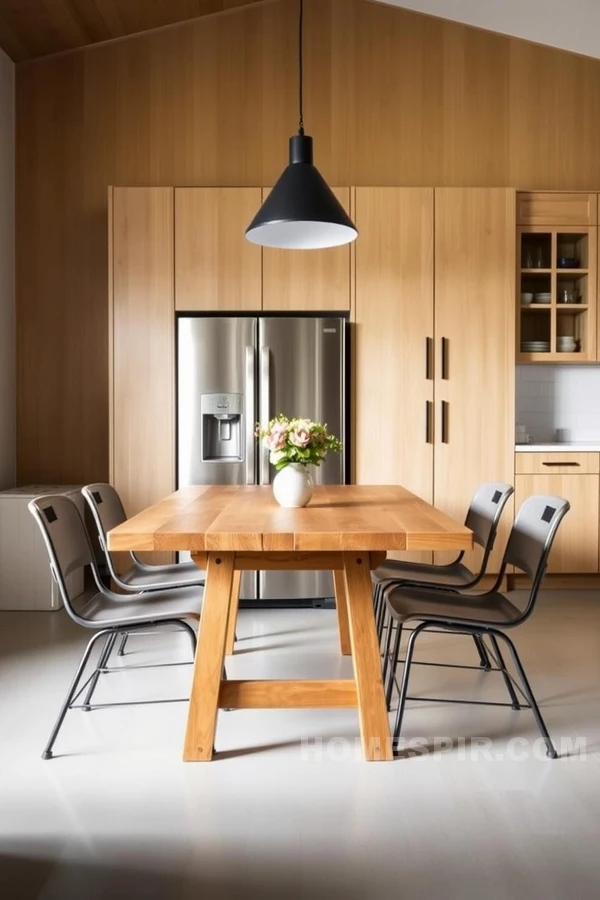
(514, 700)
(550, 748)
(404, 685)
(47, 754)
(484, 659)
(380, 615)
(389, 685)
(124, 639)
(385, 660)
(102, 662)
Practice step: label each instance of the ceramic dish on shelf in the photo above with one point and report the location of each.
(568, 262)
(535, 348)
(542, 297)
(526, 298)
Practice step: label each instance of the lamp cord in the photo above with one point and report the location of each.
(300, 70)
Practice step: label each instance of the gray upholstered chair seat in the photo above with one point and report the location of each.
(109, 608)
(420, 604)
(158, 577)
(454, 575)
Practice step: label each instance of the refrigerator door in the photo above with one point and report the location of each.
(302, 373)
(216, 405)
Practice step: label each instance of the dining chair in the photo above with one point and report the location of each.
(488, 615)
(107, 512)
(106, 613)
(483, 518)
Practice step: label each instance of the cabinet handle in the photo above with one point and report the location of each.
(445, 357)
(428, 422)
(428, 358)
(445, 410)
(576, 464)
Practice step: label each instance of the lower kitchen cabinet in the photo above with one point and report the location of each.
(575, 549)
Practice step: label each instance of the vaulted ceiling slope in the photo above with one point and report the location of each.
(34, 28)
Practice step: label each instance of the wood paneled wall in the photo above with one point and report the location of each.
(392, 98)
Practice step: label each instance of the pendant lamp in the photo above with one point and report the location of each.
(301, 211)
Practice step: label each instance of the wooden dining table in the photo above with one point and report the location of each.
(347, 529)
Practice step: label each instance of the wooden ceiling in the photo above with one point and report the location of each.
(33, 28)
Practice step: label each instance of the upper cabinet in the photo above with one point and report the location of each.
(310, 280)
(216, 268)
(557, 278)
(556, 208)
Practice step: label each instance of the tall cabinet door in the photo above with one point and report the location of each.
(308, 280)
(393, 422)
(142, 315)
(475, 364)
(216, 268)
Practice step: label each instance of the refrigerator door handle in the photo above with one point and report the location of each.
(265, 397)
(250, 415)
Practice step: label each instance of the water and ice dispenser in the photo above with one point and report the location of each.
(222, 427)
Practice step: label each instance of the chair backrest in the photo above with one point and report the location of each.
(533, 533)
(66, 539)
(485, 511)
(105, 506)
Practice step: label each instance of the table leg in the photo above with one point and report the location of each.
(234, 601)
(208, 667)
(374, 723)
(341, 606)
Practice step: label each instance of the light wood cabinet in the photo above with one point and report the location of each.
(564, 463)
(394, 340)
(575, 549)
(216, 268)
(310, 280)
(435, 355)
(557, 290)
(474, 337)
(557, 208)
(142, 345)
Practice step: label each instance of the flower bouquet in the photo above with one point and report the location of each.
(294, 444)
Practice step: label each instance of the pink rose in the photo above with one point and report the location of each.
(277, 438)
(300, 436)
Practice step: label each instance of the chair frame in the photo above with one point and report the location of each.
(109, 630)
(383, 586)
(87, 493)
(480, 630)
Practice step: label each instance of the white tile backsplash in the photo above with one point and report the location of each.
(551, 397)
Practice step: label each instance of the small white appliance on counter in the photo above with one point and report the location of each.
(25, 579)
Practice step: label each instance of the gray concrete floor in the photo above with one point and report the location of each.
(289, 809)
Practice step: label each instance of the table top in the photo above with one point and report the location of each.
(248, 518)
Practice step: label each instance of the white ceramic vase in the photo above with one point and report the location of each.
(293, 485)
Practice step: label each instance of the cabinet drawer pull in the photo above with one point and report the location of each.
(445, 358)
(575, 464)
(445, 409)
(428, 422)
(428, 358)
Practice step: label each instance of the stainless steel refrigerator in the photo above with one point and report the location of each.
(234, 372)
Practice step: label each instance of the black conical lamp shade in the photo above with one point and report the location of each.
(301, 212)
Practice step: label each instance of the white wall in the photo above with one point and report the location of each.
(551, 397)
(7, 274)
(571, 26)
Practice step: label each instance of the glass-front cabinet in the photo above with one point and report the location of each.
(556, 279)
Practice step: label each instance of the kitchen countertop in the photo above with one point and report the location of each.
(572, 446)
